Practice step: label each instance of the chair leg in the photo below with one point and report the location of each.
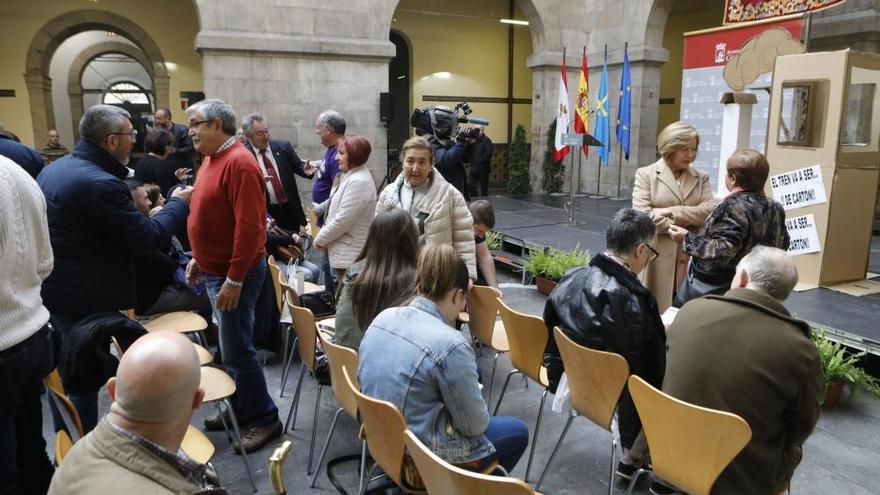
(238, 436)
(203, 338)
(293, 407)
(284, 354)
(324, 449)
(635, 478)
(613, 465)
(286, 365)
(314, 430)
(363, 466)
(223, 422)
(365, 480)
(537, 432)
(571, 417)
(492, 378)
(503, 390)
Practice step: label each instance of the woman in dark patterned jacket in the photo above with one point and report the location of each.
(743, 220)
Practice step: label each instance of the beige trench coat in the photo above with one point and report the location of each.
(657, 193)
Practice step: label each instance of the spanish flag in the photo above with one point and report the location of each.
(582, 103)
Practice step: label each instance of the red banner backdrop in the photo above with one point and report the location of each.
(737, 11)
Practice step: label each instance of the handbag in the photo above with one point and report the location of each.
(694, 287)
(291, 252)
(321, 303)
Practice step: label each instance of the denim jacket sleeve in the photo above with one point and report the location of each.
(457, 379)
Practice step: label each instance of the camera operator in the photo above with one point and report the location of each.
(449, 144)
(449, 159)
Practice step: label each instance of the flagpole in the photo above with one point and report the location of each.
(599, 170)
(619, 144)
(571, 185)
(581, 147)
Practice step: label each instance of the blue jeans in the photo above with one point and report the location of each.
(329, 281)
(251, 401)
(510, 437)
(311, 272)
(24, 466)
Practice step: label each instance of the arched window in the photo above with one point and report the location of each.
(125, 91)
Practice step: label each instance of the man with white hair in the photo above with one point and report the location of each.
(227, 231)
(136, 448)
(744, 353)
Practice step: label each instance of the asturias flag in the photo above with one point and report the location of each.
(623, 107)
(562, 121)
(582, 104)
(603, 116)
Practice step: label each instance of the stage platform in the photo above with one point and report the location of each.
(541, 220)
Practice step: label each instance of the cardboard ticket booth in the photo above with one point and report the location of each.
(822, 145)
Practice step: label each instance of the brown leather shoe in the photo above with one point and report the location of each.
(256, 437)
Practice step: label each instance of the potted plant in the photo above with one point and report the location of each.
(519, 180)
(549, 265)
(841, 369)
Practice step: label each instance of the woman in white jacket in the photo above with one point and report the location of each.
(439, 210)
(349, 209)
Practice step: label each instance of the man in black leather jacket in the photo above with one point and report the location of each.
(604, 306)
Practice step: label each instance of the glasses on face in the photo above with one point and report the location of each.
(654, 253)
(133, 134)
(193, 125)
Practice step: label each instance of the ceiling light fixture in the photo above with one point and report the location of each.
(514, 21)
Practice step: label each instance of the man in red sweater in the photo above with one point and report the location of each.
(227, 231)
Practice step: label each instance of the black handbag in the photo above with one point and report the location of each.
(320, 303)
(694, 287)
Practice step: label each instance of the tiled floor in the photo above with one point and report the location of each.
(841, 457)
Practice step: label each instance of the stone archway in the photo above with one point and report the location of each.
(74, 77)
(54, 32)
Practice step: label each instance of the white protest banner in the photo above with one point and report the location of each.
(803, 235)
(799, 188)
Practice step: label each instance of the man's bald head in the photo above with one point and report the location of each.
(157, 380)
(769, 270)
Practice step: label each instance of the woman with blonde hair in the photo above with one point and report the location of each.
(672, 192)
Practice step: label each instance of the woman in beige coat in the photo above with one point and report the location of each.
(349, 210)
(672, 191)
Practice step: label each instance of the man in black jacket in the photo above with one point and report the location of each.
(95, 228)
(278, 162)
(604, 306)
(182, 154)
(480, 158)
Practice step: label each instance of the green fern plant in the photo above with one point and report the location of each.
(838, 365)
(493, 240)
(552, 263)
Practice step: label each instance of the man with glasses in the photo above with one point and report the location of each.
(604, 306)
(95, 229)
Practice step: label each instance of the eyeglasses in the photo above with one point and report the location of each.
(193, 125)
(133, 134)
(654, 253)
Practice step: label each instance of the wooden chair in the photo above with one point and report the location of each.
(441, 477)
(690, 445)
(205, 356)
(482, 312)
(596, 380)
(185, 322)
(65, 438)
(339, 357)
(527, 336)
(313, 222)
(197, 446)
(219, 387)
(307, 338)
(383, 427)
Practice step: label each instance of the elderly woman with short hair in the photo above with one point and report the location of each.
(745, 219)
(672, 192)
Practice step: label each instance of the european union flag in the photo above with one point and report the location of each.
(603, 117)
(623, 106)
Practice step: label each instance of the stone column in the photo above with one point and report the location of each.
(292, 79)
(40, 96)
(161, 85)
(75, 93)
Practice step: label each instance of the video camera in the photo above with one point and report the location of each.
(442, 121)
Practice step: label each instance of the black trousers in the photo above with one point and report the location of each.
(480, 179)
(24, 466)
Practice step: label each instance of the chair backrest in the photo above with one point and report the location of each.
(306, 332)
(690, 445)
(337, 358)
(596, 379)
(275, 273)
(482, 309)
(68, 411)
(313, 222)
(527, 337)
(441, 477)
(384, 426)
(63, 444)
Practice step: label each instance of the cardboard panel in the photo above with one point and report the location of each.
(848, 241)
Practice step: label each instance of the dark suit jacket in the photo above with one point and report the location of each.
(183, 156)
(289, 163)
(743, 353)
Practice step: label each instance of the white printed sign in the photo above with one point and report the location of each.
(803, 235)
(799, 188)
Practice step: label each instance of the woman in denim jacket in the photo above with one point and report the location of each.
(412, 357)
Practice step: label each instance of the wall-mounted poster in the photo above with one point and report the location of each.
(737, 11)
